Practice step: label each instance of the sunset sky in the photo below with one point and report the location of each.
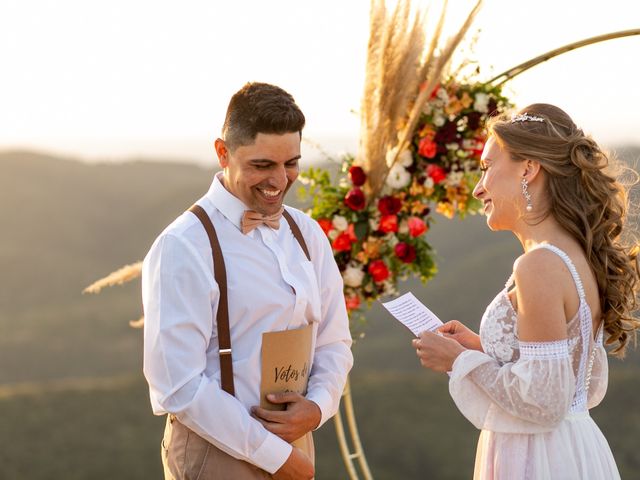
(126, 78)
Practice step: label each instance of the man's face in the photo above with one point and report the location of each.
(260, 174)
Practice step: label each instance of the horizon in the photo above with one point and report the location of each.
(84, 82)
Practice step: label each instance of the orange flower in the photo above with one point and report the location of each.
(453, 107)
(466, 100)
(427, 132)
(447, 209)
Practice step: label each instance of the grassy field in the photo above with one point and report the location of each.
(73, 401)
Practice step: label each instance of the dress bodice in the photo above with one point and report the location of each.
(499, 334)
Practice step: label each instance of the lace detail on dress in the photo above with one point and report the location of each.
(498, 335)
(544, 350)
(497, 330)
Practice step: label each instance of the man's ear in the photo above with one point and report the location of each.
(222, 151)
(532, 170)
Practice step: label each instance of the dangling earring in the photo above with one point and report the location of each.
(526, 194)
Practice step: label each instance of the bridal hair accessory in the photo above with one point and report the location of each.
(525, 117)
(526, 194)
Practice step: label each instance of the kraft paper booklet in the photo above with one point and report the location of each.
(409, 311)
(286, 363)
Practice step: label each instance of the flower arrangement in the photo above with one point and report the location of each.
(380, 239)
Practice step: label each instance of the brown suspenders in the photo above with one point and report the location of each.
(220, 274)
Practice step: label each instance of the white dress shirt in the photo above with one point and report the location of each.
(271, 287)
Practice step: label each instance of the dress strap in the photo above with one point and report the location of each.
(579, 403)
(565, 258)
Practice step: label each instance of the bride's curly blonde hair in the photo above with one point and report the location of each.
(588, 200)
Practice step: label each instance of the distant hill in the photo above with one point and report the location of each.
(66, 223)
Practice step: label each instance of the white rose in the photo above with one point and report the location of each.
(398, 177)
(454, 178)
(340, 223)
(391, 239)
(391, 154)
(481, 102)
(374, 224)
(403, 228)
(405, 159)
(443, 95)
(428, 183)
(438, 120)
(352, 277)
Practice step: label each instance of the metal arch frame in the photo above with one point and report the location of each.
(349, 455)
(518, 69)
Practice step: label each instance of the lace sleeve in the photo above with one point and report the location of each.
(531, 395)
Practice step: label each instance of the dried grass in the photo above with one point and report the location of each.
(399, 65)
(120, 276)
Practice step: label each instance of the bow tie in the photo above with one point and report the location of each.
(251, 219)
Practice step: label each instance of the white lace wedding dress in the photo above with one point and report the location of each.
(531, 400)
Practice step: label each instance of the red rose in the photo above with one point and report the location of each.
(342, 242)
(378, 271)
(405, 252)
(326, 225)
(357, 176)
(389, 205)
(355, 199)
(437, 173)
(448, 133)
(473, 120)
(352, 302)
(388, 223)
(427, 148)
(416, 226)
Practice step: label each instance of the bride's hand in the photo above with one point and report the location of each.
(436, 352)
(462, 334)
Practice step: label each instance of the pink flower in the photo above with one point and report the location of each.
(388, 223)
(355, 199)
(405, 252)
(436, 172)
(427, 148)
(357, 175)
(378, 271)
(416, 226)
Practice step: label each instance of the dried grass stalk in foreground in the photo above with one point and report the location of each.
(120, 276)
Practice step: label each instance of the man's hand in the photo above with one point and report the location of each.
(300, 417)
(297, 467)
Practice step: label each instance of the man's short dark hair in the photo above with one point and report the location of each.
(260, 108)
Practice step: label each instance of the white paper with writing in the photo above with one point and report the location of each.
(413, 314)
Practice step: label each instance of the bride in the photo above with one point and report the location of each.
(537, 367)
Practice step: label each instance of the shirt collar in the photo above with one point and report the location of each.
(227, 203)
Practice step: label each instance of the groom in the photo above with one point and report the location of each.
(274, 270)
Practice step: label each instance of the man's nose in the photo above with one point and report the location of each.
(279, 177)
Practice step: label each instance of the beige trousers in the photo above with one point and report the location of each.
(187, 456)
